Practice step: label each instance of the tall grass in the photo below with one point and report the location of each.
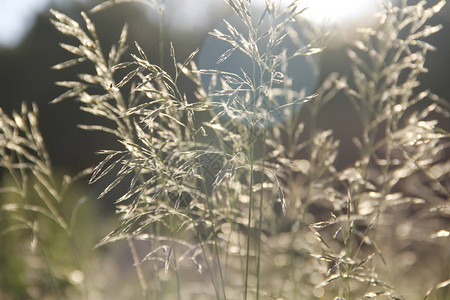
(236, 195)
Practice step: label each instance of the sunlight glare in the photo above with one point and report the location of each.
(332, 11)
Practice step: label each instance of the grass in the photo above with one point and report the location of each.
(232, 194)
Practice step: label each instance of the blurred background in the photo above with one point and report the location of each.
(29, 46)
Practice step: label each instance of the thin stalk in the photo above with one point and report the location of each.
(250, 205)
(258, 254)
(216, 289)
(347, 242)
(157, 293)
(139, 271)
(216, 246)
(231, 205)
(76, 257)
(50, 272)
(177, 276)
(251, 157)
(206, 260)
(162, 14)
(347, 283)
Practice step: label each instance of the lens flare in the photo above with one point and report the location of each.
(332, 11)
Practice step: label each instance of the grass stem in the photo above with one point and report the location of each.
(249, 222)
(139, 271)
(260, 218)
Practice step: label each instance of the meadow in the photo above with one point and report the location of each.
(232, 189)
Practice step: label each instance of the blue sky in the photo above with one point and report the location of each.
(16, 18)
